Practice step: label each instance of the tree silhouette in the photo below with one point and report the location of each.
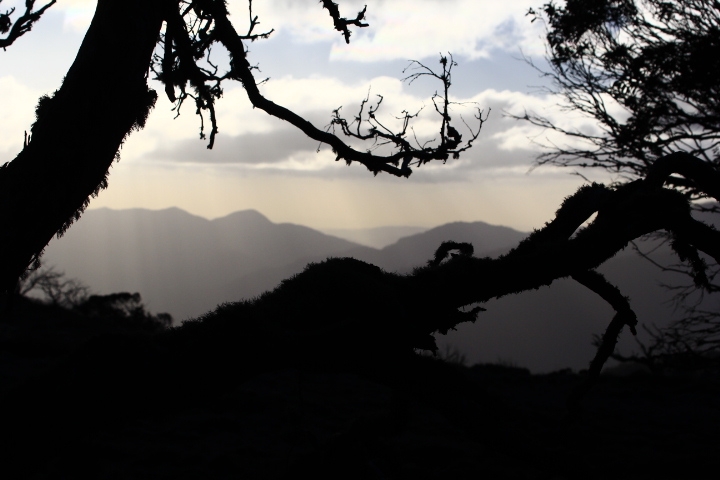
(645, 72)
(341, 315)
(105, 96)
(124, 307)
(54, 287)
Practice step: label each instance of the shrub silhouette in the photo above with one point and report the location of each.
(340, 313)
(125, 307)
(336, 317)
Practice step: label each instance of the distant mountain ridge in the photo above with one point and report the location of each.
(378, 237)
(415, 250)
(178, 261)
(186, 265)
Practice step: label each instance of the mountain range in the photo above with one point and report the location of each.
(186, 265)
(378, 237)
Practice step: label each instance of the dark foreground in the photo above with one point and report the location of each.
(95, 400)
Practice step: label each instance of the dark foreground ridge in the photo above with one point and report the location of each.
(278, 388)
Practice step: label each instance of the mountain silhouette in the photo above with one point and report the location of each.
(181, 263)
(409, 252)
(186, 265)
(377, 237)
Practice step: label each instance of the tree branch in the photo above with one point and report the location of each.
(242, 71)
(23, 24)
(341, 24)
(560, 249)
(624, 315)
(648, 65)
(191, 32)
(701, 175)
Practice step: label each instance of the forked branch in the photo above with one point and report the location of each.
(379, 134)
(563, 248)
(23, 24)
(189, 37)
(341, 24)
(624, 315)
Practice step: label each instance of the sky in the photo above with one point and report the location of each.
(262, 163)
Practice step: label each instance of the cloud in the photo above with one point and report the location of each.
(399, 29)
(314, 97)
(278, 148)
(251, 140)
(250, 148)
(402, 29)
(517, 134)
(15, 121)
(78, 14)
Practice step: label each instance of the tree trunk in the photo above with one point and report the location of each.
(78, 132)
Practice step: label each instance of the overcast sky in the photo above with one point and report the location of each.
(261, 163)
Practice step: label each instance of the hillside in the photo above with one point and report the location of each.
(181, 263)
(274, 388)
(378, 237)
(91, 398)
(186, 265)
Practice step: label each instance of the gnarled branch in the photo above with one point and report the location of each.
(178, 66)
(624, 315)
(563, 248)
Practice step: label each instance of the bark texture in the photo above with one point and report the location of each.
(78, 132)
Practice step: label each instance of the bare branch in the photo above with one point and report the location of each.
(242, 71)
(450, 139)
(624, 315)
(54, 287)
(21, 25)
(647, 62)
(189, 36)
(341, 24)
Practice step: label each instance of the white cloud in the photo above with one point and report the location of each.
(399, 29)
(522, 134)
(403, 29)
(16, 115)
(302, 95)
(260, 142)
(244, 130)
(325, 94)
(78, 13)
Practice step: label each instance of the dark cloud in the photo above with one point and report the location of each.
(250, 148)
